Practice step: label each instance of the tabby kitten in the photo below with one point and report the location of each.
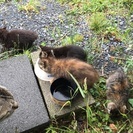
(117, 92)
(60, 68)
(7, 103)
(66, 51)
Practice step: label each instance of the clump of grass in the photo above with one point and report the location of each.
(32, 5)
(16, 52)
(101, 25)
(73, 39)
(78, 38)
(91, 6)
(128, 4)
(8, 54)
(128, 67)
(1, 1)
(129, 64)
(98, 22)
(43, 44)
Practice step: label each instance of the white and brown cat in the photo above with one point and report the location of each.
(60, 68)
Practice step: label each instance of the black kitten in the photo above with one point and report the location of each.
(65, 51)
(20, 39)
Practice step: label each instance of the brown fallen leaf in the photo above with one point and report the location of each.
(113, 128)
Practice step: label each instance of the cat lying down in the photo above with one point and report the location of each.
(7, 103)
(60, 68)
(71, 51)
(117, 92)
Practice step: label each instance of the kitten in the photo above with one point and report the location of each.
(20, 39)
(117, 92)
(7, 103)
(60, 68)
(66, 51)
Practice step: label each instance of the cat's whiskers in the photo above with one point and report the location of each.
(52, 52)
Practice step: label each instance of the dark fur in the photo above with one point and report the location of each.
(117, 91)
(60, 68)
(20, 39)
(66, 51)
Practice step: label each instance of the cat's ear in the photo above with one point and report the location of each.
(44, 54)
(40, 47)
(4, 28)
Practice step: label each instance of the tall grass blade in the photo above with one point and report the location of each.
(79, 87)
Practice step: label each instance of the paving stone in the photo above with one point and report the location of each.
(17, 75)
(54, 109)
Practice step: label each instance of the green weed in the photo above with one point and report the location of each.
(16, 52)
(73, 39)
(1, 1)
(31, 6)
(131, 102)
(128, 67)
(98, 22)
(91, 6)
(52, 129)
(128, 4)
(82, 91)
(8, 54)
(43, 44)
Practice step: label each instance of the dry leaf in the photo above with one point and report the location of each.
(113, 128)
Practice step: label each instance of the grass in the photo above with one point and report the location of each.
(1, 1)
(73, 39)
(95, 118)
(98, 22)
(31, 6)
(16, 52)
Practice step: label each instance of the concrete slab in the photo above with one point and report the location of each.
(17, 75)
(54, 109)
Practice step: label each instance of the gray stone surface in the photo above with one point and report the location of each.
(17, 75)
(54, 109)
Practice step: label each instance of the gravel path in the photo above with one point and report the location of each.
(52, 24)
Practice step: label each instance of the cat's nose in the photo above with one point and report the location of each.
(15, 105)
